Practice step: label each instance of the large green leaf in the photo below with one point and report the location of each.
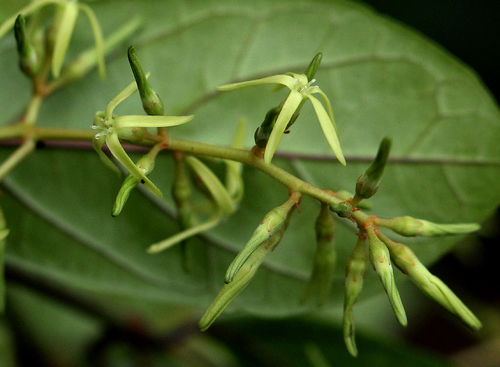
(382, 79)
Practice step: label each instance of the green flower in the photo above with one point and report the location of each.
(111, 129)
(301, 89)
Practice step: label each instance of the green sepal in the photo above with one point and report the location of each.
(28, 58)
(263, 132)
(151, 101)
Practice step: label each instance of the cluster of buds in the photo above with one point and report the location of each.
(372, 246)
(382, 252)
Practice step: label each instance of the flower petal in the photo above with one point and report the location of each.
(97, 143)
(328, 107)
(286, 80)
(123, 95)
(181, 236)
(328, 127)
(98, 39)
(66, 19)
(213, 184)
(289, 107)
(119, 153)
(149, 121)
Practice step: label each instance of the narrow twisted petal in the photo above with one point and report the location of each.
(97, 143)
(67, 16)
(289, 107)
(285, 80)
(329, 129)
(98, 39)
(119, 153)
(123, 95)
(181, 236)
(127, 121)
(217, 190)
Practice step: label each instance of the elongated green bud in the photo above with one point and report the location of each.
(28, 58)
(146, 165)
(409, 226)
(324, 258)
(263, 132)
(432, 286)
(368, 183)
(269, 225)
(381, 261)
(313, 66)
(151, 101)
(230, 290)
(357, 264)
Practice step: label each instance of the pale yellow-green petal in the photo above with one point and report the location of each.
(328, 107)
(181, 236)
(67, 19)
(98, 39)
(328, 129)
(289, 107)
(234, 181)
(275, 79)
(217, 190)
(128, 121)
(97, 143)
(119, 153)
(123, 95)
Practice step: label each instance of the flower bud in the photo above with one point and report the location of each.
(146, 165)
(313, 66)
(151, 101)
(357, 264)
(432, 286)
(28, 58)
(269, 225)
(409, 226)
(240, 281)
(368, 183)
(264, 131)
(324, 257)
(381, 261)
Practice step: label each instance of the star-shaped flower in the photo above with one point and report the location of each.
(111, 129)
(301, 89)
